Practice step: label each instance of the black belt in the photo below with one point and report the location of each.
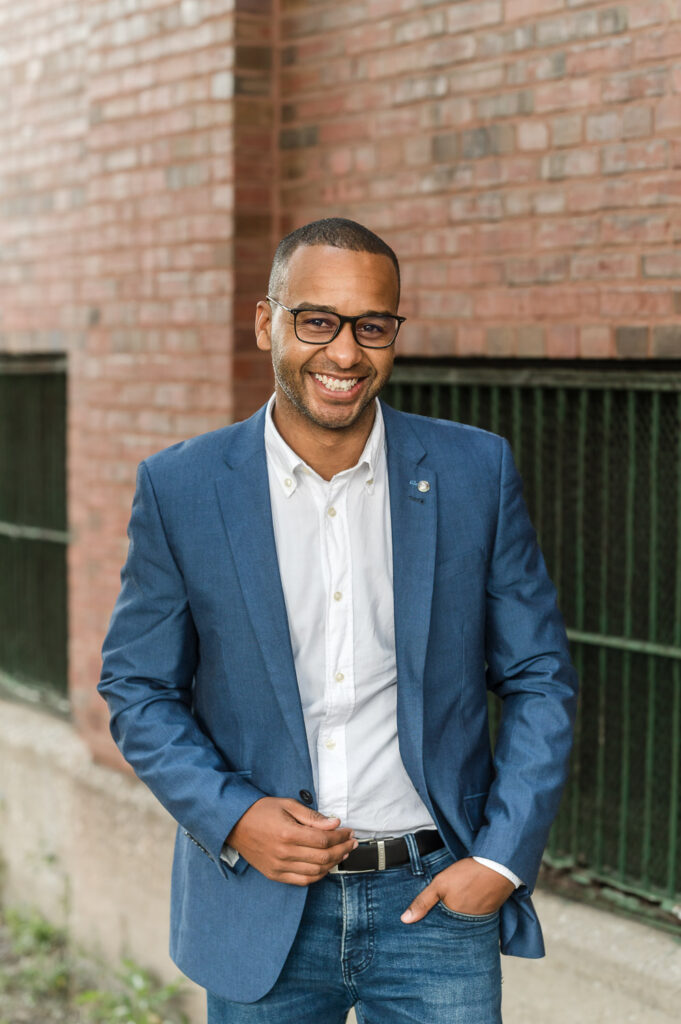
(378, 854)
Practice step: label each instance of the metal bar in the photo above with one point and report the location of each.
(602, 625)
(575, 787)
(674, 794)
(436, 401)
(538, 435)
(494, 418)
(475, 406)
(537, 377)
(16, 531)
(623, 643)
(10, 364)
(558, 501)
(649, 774)
(517, 427)
(629, 549)
(455, 403)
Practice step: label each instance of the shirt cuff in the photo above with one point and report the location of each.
(229, 854)
(500, 869)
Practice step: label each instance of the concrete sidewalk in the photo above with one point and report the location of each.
(599, 969)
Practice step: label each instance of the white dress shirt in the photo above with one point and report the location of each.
(334, 549)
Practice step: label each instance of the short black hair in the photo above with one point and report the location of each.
(336, 231)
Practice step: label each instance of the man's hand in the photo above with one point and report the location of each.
(289, 842)
(466, 886)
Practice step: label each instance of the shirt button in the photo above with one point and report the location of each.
(288, 482)
(330, 744)
(339, 677)
(337, 596)
(332, 511)
(369, 482)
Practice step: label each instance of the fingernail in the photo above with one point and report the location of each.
(345, 856)
(355, 844)
(407, 916)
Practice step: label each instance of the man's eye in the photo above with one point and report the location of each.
(372, 327)
(316, 321)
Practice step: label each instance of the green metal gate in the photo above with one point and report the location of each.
(600, 455)
(33, 533)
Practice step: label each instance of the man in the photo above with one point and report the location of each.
(314, 605)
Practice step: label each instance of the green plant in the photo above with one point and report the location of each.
(141, 1000)
(30, 933)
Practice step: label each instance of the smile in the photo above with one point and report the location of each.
(336, 383)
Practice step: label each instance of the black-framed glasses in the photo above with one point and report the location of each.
(319, 327)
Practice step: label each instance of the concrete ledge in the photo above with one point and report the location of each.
(91, 849)
(599, 968)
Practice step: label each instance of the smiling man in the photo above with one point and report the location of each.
(314, 606)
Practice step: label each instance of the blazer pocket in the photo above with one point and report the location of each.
(474, 809)
(467, 561)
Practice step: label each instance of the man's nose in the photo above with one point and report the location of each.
(344, 350)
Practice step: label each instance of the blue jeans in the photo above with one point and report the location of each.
(351, 949)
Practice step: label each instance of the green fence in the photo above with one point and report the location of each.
(33, 536)
(600, 455)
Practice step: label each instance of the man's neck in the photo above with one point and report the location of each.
(327, 451)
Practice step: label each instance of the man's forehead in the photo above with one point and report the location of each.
(331, 268)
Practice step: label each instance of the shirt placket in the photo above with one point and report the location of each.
(339, 676)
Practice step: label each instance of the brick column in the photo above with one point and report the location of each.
(154, 294)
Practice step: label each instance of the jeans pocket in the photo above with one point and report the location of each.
(473, 918)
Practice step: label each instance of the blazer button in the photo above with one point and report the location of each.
(306, 796)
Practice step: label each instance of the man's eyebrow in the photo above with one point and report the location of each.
(333, 309)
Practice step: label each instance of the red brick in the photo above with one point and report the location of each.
(635, 303)
(590, 266)
(562, 341)
(531, 341)
(566, 95)
(471, 341)
(532, 135)
(500, 341)
(662, 264)
(668, 114)
(595, 342)
(516, 9)
(631, 342)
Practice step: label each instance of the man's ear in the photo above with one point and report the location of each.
(263, 326)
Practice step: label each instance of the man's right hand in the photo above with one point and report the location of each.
(289, 842)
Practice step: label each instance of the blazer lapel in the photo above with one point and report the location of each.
(244, 497)
(413, 511)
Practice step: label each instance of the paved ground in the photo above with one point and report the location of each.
(599, 969)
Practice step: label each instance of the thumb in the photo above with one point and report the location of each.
(308, 816)
(419, 907)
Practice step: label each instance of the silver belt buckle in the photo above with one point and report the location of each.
(380, 843)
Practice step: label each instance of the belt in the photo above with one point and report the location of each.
(378, 854)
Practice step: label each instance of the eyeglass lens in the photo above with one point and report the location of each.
(318, 327)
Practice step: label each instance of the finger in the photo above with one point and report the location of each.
(316, 855)
(419, 907)
(308, 816)
(298, 879)
(317, 840)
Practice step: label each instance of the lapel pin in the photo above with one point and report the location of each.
(423, 486)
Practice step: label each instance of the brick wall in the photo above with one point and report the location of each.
(116, 245)
(523, 157)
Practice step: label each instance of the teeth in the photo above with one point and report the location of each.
(334, 384)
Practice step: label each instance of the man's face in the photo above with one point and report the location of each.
(341, 281)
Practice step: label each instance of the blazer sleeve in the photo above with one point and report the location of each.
(529, 668)
(148, 662)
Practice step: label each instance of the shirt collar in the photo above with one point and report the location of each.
(287, 464)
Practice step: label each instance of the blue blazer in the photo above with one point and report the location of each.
(199, 676)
